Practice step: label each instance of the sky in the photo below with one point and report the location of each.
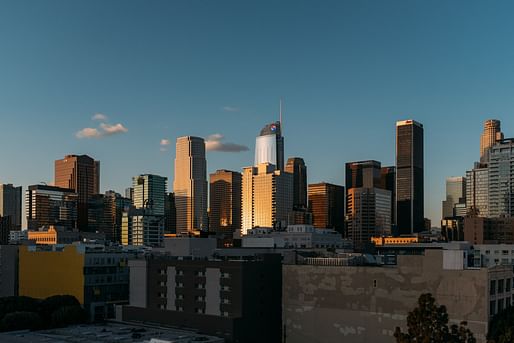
(121, 80)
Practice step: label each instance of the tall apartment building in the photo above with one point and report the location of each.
(239, 300)
(368, 213)
(150, 193)
(326, 202)
(455, 195)
(10, 204)
(190, 185)
(491, 134)
(269, 146)
(501, 178)
(80, 173)
(477, 190)
(296, 166)
(50, 205)
(225, 202)
(409, 177)
(267, 197)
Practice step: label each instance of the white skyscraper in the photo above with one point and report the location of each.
(269, 146)
(190, 185)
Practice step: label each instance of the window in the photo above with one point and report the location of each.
(487, 252)
(200, 285)
(492, 307)
(500, 305)
(507, 285)
(180, 308)
(200, 310)
(225, 314)
(374, 283)
(500, 286)
(180, 284)
(199, 298)
(505, 252)
(492, 287)
(180, 272)
(200, 273)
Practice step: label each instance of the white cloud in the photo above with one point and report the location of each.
(112, 129)
(100, 117)
(230, 109)
(165, 142)
(214, 143)
(88, 132)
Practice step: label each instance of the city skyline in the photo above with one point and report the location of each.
(343, 110)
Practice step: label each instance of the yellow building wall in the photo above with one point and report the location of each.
(46, 273)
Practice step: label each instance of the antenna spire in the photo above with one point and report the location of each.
(280, 114)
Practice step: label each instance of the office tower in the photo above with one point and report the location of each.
(225, 202)
(388, 181)
(269, 146)
(150, 193)
(10, 205)
(50, 205)
(170, 214)
(296, 166)
(140, 228)
(5, 228)
(409, 177)
(501, 179)
(82, 174)
(455, 194)
(267, 197)
(491, 134)
(477, 191)
(368, 214)
(326, 202)
(190, 185)
(105, 214)
(129, 193)
(365, 174)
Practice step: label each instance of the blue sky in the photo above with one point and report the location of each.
(347, 70)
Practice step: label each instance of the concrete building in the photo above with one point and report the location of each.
(409, 177)
(501, 178)
(10, 204)
(366, 303)
(294, 237)
(239, 300)
(491, 134)
(190, 185)
(267, 197)
(50, 205)
(296, 166)
(326, 202)
(80, 173)
(477, 190)
(489, 255)
(8, 270)
(97, 276)
(189, 246)
(138, 227)
(269, 146)
(225, 202)
(368, 214)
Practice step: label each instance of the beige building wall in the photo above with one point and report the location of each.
(364, 304)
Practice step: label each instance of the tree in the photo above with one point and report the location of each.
(428, 323)
(17, 304)
(501, 329)
(20, 320)
(68, 315)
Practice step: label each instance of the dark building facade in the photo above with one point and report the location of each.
(364, 174)
(409, 177)
(10, 204)
(240, 300)
(326, 202)
(50, 205)
(170, 214)
(80, 173)
(225, 202)
(296, 166)
(388, 181)
(105, 213)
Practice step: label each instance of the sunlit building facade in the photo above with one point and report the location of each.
(455, 194)
(501, 179)
(326, 202)
(190, 185)
(267, 197)
(225, 202)
(491, 134)
(150, 193)
(269, 146)
(477, 191)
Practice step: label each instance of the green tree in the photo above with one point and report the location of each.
(21, 320)
(17, 304)
(428, 323)
(501, 328)
(68, 315)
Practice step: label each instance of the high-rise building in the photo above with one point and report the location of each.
(477, 191)
(80, 173)
(455, 194)
(326, 202)
(106, 212)
(190, 185)
(10, 205)
(409, 177)
(150, 193)
(129, 193)
(269, 146)
(225, 202)
(138, 227)
(50, 205)
(388, 181)
(170, 212)
(296, 166)
(501, 179)
(491, 134)
(267, 197)
(368, 212)
(365, 174)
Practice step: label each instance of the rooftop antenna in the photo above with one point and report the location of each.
(280, 115)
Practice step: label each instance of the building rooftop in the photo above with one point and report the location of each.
(108, 333)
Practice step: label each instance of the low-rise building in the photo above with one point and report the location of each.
(8, 270)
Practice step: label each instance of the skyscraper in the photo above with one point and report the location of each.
(296, 166)
(80, 173)
(269, 146)
(170, 213)
(409, 177)
(50, 205)
(455, 194)
(10, 205)
(388, 181)
(190, 185)
(326, 202)
(491, 134)
(267, 197)
(150, 193)
(106, 212)
(501, 179)
(363, 174)
(477, 190)
(225, 202)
